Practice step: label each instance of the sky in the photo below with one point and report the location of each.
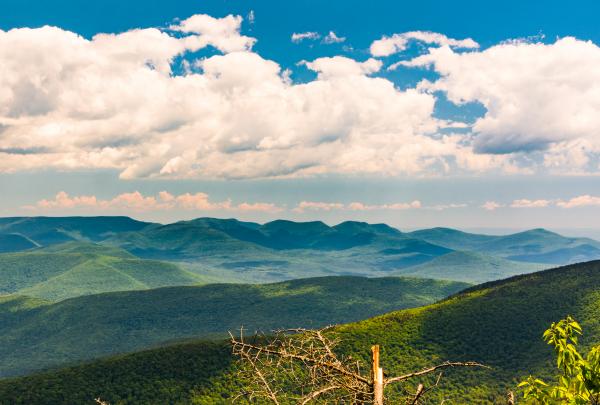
(474, 115)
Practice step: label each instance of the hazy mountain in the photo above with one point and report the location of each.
(228, 250)
(535, 245)
(12, 242)
(54, 230)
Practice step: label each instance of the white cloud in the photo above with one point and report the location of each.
(117, 101)
(338, 66)
(491, 205)
(540, 99)
(332, 38)
(222, 33)
(358, 206)
(525, 203)
(580, 201)
(298, 37)
(443, 207)
(232, 115)
(399, 42)
(137, 202)
(353, 206)
(317, 206)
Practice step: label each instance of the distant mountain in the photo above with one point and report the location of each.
(75, 268)
(278, 250)
(470, 267)
(499, 324)
(536, 245)
(452, 238)
(12, 242)
(47, 231)
(203, 236)
(35, 334)
(228, 250)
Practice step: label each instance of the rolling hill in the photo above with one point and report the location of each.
(498, 323)
(76, 268)
(469, 267)
(35, 334)
(45, 231)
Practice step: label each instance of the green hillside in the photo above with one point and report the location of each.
(469, 267)
(499, 324)
(74, 269)
(35, 334)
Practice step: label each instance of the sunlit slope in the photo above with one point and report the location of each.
(499, 324)
(469, 267)
(74, 269)
(89, 326)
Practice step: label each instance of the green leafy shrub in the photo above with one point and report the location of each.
(579, 379)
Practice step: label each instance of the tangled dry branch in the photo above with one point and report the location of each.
(301, 366)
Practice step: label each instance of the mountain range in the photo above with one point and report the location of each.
(228, 250)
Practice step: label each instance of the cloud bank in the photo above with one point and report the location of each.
(141, 102)
(135, 201)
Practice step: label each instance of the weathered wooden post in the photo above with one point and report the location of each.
(377, 377)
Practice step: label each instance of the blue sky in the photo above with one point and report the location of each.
(498, 135)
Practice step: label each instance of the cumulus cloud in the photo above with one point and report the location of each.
(332, 38)
(539, 98)
(399, 42)
(580, 201)
(222, 33)
(353, 206)
(317, 206)
(298, 37)
(230, 115)
(443, 207)
(118, 101)
(525, 203)
(491, 205)
(358, 206)
(135, 201)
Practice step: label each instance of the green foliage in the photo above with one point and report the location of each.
(36, 335)
(161, 376)
(74, 269)
(469, 267)
(496, 324)
(579, 381)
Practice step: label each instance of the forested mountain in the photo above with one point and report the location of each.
(36, 334)
(76, 268)
(498, 323)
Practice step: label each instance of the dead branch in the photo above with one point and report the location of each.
(302, 366)
(433, 369)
